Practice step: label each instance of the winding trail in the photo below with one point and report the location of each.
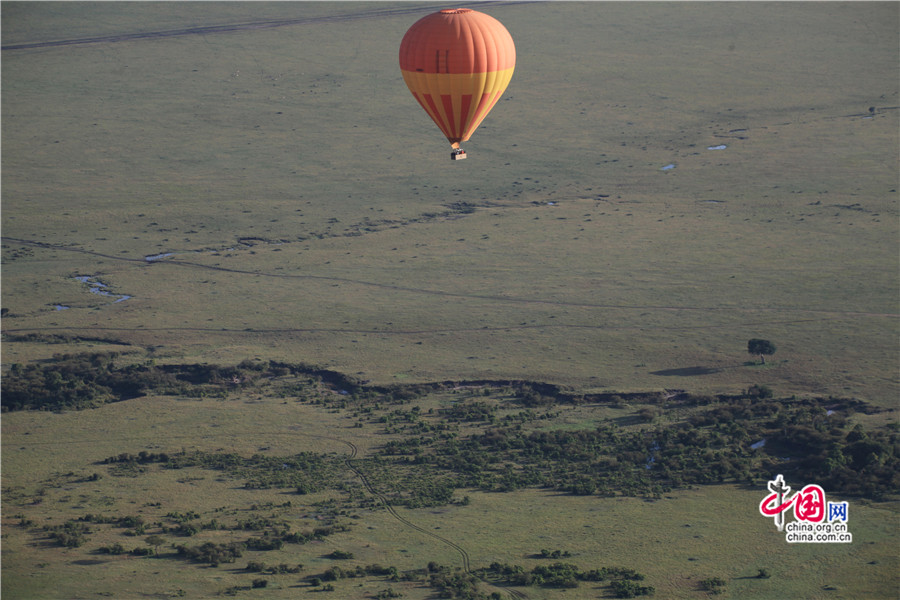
(354, 451)
(349, 462)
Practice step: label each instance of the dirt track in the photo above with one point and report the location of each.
(810, 314)
(384, 501)
(214, 29)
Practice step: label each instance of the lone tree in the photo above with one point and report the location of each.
(156, 541)
(760, 348)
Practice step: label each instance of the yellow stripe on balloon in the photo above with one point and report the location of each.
(458, 103)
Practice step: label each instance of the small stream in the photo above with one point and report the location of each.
(97, 287)
(671, 166)
(159, 256)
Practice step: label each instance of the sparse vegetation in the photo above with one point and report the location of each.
(714, 585)
(431, 454)
(70, 534)
(622, 581)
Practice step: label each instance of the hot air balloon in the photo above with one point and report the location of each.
(457, 63)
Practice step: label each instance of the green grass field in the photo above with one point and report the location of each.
(305, 210)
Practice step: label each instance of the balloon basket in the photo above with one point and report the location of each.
(458, 154)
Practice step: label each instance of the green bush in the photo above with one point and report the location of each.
(715, 585)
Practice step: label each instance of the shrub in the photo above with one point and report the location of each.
(715, 585)
(70, 534)
(626, 588)
(333, 574)
(646, 415)
(263, 543)
(759, 391)
(212, 553)
(115, 549)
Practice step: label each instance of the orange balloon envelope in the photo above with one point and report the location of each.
(457, 63)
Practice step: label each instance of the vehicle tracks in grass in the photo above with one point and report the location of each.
(378, 13)
(820, 314)
(354, 451)
(348, 461)
(464, 556)
(249, 331)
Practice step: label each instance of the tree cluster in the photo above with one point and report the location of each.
(622, 581)
(81, 381)
(70, 534)
(807, 439)
(69, 382)
(211, 553)
(261, 567)
(336, 573)
(308, 472)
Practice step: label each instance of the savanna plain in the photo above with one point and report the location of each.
(263, 339)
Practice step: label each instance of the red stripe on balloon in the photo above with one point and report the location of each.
(436, 115)
(465, 106)
(447, 101)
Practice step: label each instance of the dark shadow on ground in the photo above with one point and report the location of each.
(627, 420)
(686, 372)
(88, 562)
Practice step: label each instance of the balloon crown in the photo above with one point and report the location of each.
(456, 11)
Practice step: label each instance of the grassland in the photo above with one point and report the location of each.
(307, 212)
